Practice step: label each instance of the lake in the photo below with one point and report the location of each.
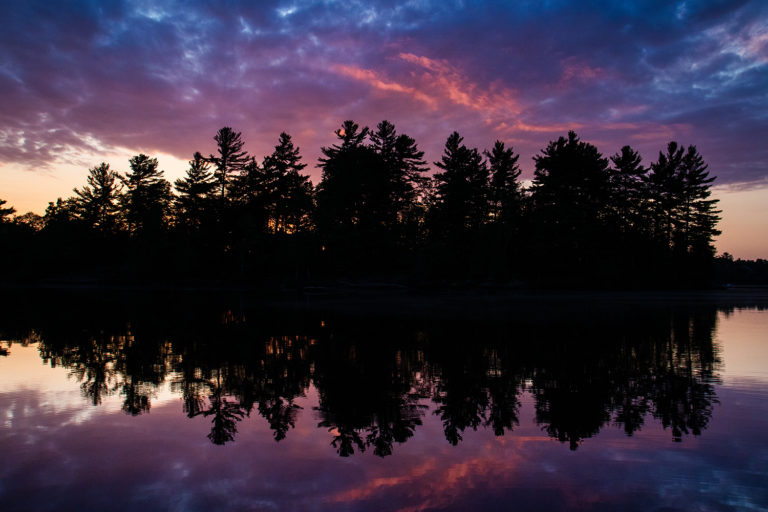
(530, 401)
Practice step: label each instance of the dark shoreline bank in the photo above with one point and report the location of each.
(392, 297)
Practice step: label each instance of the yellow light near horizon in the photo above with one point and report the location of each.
(30, 189)
(744, 223)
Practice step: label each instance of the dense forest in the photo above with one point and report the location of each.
(379, 215)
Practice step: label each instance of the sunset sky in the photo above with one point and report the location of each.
(87, 81)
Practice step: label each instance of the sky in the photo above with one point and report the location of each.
(83, 82)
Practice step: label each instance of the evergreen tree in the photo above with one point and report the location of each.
(353, 201)
(353, 190)
(147, 198)
(230, 160)
(251, 191)
(195, 192)
(571, 198)
(699, 213)
(665, 189)
(629, 190)
(504, 237)
(404, 165)
(461, 192)
(5, 213)
(97, 202)
(571, 181)
(30, 220)
(291, 202)
(681, 192)
(504, 192)
(59, 214)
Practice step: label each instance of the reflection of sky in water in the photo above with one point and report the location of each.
(743, 337)
(60, 452)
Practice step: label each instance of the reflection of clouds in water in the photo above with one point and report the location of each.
(163, 459)
(358, 382)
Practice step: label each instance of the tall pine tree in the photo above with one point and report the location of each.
(97, 202)
(147, 198)
(231, 158)
(460, 201)
(195, 191)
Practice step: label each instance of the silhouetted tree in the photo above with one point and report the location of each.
(504, 238)
(698, 218)
(684, 217)
(665, 187)
(571, 182)
(289, 193)
(30, 220)
(59, 213)
(5, 213)
(7, 240)
(353, 200)
(628, 190)
(195, 192)
(461, 190)
(230, 160)
(405, 166)
(504, 192)
(97, 202)
(147, 198)
(571, 196)
(343, 194)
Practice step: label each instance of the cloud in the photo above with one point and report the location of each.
(374, 80)
(80, 78)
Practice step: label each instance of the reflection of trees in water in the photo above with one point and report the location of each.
(109, 361)
(663, 365)
(225, 413)
(231, 373)
(474, 387)
(369, 390)
(682, 389)
(375, 377)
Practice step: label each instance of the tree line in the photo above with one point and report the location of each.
(378, 214)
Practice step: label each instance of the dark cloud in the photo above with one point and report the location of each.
(82, 77)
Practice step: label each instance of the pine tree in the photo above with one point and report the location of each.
(97, 202)
(353, 188)
(59, 213)
(230, 160)
(404, 165)
(571, 181)
(353, 203)
(664, 190)
(291, 202)
(697, 220)
(504, 193)
(5, 213)
(195, 192)
(684, 217)
(629, 190)
(147, 198)
(572, 205)
(461, 191)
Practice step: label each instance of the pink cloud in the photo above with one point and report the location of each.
(575, 70)
(373, 79)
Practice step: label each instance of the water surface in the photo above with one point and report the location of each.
(533, 402)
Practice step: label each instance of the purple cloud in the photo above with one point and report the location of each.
(83, 77)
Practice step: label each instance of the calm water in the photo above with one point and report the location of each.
(569, 402)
